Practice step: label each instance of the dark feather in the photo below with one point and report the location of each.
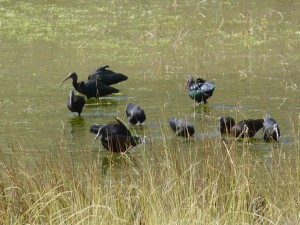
(106, 76)
(181, 127)
(115, 136)
(90, 88)
(199, 90)
(242, 129)
(75, 103)
(271, 131)
(135, 114)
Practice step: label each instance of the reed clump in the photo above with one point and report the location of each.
(164, 181)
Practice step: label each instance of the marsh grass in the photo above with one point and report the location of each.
(165, 181)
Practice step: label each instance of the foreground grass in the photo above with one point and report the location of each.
(163, 182)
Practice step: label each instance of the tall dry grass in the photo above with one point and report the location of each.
(166, 181)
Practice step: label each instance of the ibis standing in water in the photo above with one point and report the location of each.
(244, 128)
(135, 114)
(90, 88)
(115, 136)
(181, 127)
(107, 77)
(271, 130)
(75, 103)
(199, 90)
(225, 124)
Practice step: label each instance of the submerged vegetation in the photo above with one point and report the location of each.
(166, 181)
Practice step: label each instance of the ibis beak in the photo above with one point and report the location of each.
(98, 135)
(276, 130)
(65, 79)
(186, 85)
(72, 75)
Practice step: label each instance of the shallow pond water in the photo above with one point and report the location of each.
(250, 50)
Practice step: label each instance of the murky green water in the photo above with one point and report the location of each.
(250, 50)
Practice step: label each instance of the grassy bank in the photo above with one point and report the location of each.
(165, 181)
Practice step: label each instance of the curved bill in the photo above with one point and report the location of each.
(98, 135)
(275, 126)
(68, 77)
(186, 84)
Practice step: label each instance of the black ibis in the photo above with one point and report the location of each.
(75, 103)
(90, 88)
(135, 114)
(115, 136)
(225, 124)
(199, 90)
(181, 127)
(242, 129)
(271, 130)
(107, 77)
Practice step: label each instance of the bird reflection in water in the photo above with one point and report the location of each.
(77, 126)
(118, 162)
